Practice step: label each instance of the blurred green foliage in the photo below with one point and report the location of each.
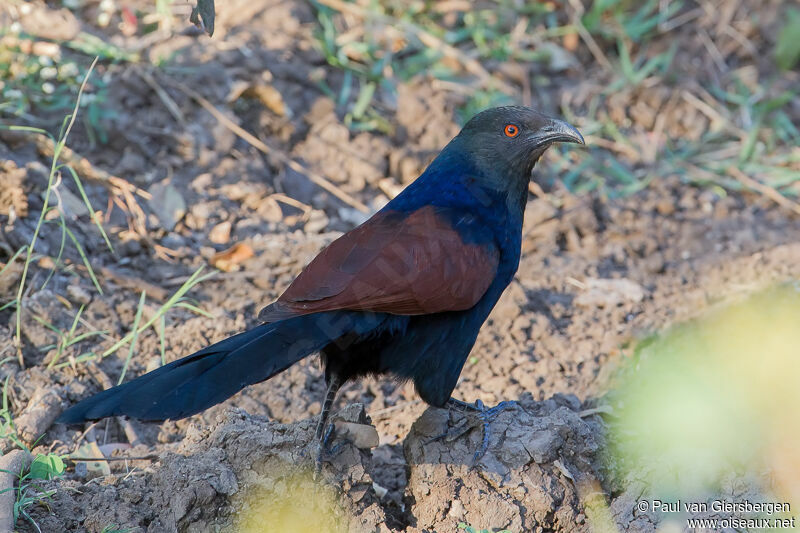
(33, 86)
(787, 50)
(712, 397)
(632, 19)
(390, 51)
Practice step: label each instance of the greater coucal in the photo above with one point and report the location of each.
(405, 293)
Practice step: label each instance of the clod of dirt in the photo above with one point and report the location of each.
(242, 471)
(10, 465)
(526, 481)
(55, 24)
(350, 163)
(42, 312)
(42, 410)
(9, 279)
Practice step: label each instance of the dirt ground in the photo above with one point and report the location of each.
(598, 272)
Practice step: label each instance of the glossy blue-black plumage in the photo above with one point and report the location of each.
(476, 188)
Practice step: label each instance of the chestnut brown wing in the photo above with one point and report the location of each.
(405, 264)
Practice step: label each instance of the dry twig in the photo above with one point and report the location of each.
(135, 283)
(165, 98)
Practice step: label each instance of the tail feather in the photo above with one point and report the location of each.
(207, 377)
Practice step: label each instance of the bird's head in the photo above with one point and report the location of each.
(504, 143)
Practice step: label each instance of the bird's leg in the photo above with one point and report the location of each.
(322, 435)
(485, 414)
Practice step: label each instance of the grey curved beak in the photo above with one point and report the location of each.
(557, 131)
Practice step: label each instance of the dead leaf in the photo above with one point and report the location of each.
(203, 16)
(229, 260)
(269, 96)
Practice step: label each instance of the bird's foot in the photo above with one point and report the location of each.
(485, 416)
(327, 448)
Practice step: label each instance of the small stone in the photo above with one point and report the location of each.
(317, 222)
(153, 363)
(380, 490)
(665, 206)
(221, 233)
(363, 436)
(44, 48)
(168, 204)
(78, 294)
(609, 293)
(456, 509)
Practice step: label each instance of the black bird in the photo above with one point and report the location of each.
(403, 294)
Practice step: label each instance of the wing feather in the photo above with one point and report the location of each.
(406, 264)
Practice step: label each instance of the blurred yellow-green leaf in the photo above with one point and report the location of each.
(715, 394)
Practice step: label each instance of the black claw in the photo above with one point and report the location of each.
(484, 414)
(487, 416)
(326, 436)
(452, 433)
(326, 449)
(332, 451)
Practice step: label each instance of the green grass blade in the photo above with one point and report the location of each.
(135, 331)
(195, 279)
(88, 204)
(86, 262)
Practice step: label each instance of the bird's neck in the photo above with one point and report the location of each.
(475, 185)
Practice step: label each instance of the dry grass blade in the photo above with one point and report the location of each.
(764, 190)
(58, 149)
(165, 98)
(134, 283)
(594, 48)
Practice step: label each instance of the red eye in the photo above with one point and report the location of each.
(511, 130)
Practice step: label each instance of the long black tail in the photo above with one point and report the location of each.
(205, 378)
